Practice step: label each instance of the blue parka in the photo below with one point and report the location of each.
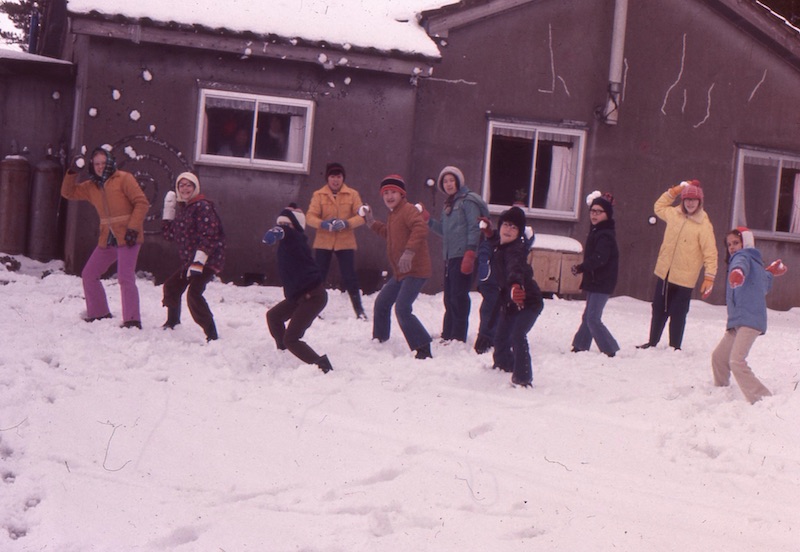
(459, 229)
(747, 304)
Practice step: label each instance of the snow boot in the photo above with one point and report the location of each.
(424, 352)
(355, 298)
(173, 318)
(211, 332)
(482, 344)
(324, 364)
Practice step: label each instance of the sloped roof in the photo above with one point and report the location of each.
(383, 25)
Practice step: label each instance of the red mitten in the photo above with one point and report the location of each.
(518, 295)
(426, 216)
(486, 226)
(468, 262)
(736, 278)
(777, 268)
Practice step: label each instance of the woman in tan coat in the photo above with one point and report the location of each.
(688, 246)
(121, 206)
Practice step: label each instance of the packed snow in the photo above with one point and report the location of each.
(118, 439)
(382, 24)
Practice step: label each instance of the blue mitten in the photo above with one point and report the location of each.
(273, 235)
(327, 225)
(337, 225)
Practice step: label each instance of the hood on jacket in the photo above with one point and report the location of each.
(191, 177)
(455, 171)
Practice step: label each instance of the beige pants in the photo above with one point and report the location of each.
(731, 356)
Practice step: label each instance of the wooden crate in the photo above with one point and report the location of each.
(552, 271)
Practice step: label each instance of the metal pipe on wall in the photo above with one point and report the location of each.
(611, 111)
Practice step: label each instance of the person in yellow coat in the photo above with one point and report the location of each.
(687, 247)
(333, 212)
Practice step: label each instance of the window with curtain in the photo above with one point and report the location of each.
(767, 191)
(254, 131)
(536, 167)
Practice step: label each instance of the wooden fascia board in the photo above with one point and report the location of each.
(755, 21)
(440, 25)
(252, 47)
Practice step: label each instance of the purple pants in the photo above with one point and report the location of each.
(100, 261)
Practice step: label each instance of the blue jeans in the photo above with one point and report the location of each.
(511, 352)
(456, 301)
(490, 309)
(592, 326)
(402, 295)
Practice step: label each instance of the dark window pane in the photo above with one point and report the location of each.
(272, 136)
(759, 195)
(510, 170)
(229, 128)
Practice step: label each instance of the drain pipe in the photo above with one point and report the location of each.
(611, 111)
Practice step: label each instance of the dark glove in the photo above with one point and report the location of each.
(77, 164)
(576, 269)
(327, 225)
(131, 236)
(273, 235)
(468, 262)
(337, 225)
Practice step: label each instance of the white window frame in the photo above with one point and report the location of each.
(780, 161)
(570, 208)
(301, 142)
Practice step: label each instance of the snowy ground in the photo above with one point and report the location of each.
(125, 440)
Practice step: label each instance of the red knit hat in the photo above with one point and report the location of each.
(693, 191)
(394, 182)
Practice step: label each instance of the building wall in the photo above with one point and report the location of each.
(35, 114)
(691, 93)
(364, 123)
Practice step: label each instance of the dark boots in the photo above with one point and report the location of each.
(211, 332)
(173, 318)
(355, 298)
(324, 364)
(424, 352)
(482, 344)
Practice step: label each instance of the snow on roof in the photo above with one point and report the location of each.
(385, 25)
(551, 242)
(10, 52)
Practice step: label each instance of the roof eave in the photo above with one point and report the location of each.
(252, 45)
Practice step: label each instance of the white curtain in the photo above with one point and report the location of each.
(740, 216)
(559, 196)
(794, 226)
(297, 135)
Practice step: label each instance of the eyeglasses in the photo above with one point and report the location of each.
(596, 211)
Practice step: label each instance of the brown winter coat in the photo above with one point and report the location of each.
(688, 244)
(406, 229)
(120, 203)
(344, 205)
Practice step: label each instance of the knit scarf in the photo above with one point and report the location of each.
(108, 170)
